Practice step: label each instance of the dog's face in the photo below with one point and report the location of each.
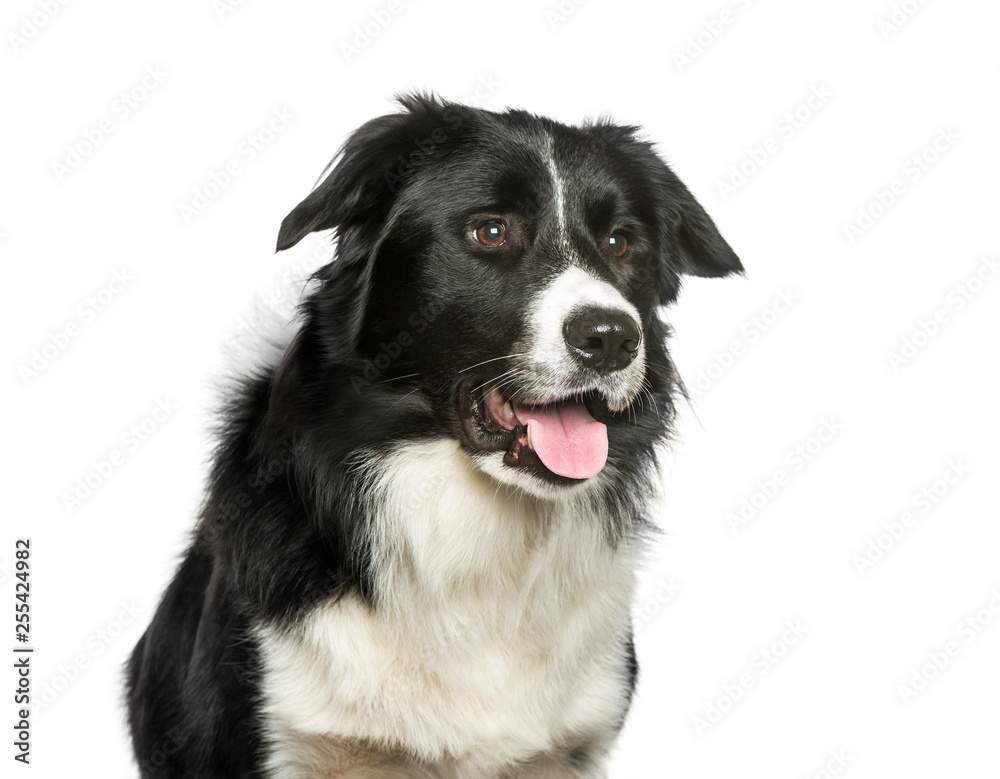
(506, 270)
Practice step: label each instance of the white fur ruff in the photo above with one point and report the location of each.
(501, 635)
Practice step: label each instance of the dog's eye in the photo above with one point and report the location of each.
(618, 244)
(491, 233)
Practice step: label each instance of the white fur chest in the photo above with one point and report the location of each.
(502, 636)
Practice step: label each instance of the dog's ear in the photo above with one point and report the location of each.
(693, 242)
(362, 177)
(354, 182)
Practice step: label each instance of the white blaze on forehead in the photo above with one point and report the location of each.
(558, 189)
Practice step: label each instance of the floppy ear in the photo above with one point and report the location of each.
(354, 182)
(360, 184)
(693, 240)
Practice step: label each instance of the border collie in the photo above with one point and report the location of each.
(416, 556)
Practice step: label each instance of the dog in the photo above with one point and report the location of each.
(417, 553)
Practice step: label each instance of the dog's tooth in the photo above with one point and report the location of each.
(529, 439)
(494, 395)
(508, 410)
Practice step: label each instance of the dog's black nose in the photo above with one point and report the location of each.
(602, 339)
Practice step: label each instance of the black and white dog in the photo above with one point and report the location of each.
(416, 557)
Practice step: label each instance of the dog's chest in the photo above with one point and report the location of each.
(481, 701)
(497, 642)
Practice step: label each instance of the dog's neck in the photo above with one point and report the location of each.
(450, 541)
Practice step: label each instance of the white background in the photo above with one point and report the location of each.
(715, 595)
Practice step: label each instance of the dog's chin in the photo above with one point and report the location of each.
(497, 435)
(529, 481)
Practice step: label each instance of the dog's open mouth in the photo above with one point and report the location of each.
(561, 441)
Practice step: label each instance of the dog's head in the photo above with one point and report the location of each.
(501, 272)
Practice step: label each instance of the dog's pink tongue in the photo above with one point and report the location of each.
(566, 438)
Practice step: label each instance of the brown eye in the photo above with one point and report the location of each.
(618, 244)
(491, 233)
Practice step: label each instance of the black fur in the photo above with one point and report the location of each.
(282, 528)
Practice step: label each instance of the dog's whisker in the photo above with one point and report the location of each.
(491, 381)
(398, 378)
(509, 380)
(494, 359)
(404, 397)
